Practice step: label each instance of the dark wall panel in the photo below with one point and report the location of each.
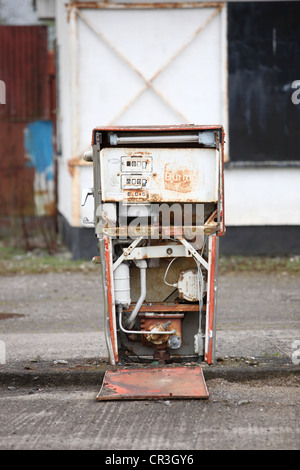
(264, 61)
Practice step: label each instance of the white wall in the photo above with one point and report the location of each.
(262, 196)
(64, 111)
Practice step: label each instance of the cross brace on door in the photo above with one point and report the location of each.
(149, 83)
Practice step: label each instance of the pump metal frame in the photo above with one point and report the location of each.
(213, 228)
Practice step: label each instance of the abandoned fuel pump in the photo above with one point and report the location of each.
(159, 210)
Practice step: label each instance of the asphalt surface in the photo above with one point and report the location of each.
(51, 327)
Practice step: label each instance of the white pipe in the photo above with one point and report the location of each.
(142, 264)
(141, 332)
(205, 137)
(115, 140)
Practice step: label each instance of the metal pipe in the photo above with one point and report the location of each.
(142, 265)
(141, 332)
(115, 140)
(194, 252)
(107, 334)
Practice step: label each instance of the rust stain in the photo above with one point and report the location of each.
(5, 316)
(50, 208)
(153, 383)
(75, 162)
(165, 307)
(140, 153)
(156, 197)
(28, 71)
(158, 323)
(182, 180)
(105, 4)
(137, 195)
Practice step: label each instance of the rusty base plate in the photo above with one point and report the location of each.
(153, 383)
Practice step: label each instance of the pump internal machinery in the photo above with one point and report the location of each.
(158, 213)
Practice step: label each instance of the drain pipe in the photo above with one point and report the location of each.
(142, 265)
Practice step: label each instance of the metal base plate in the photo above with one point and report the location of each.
(153, 383)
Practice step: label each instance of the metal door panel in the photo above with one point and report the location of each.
(149, 66)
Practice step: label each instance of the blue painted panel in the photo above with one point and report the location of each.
(39, 147)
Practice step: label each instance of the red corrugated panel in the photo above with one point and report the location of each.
(30, 95)
(24, 69)
(16, 180)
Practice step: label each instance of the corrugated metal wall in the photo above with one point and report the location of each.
(25, 69)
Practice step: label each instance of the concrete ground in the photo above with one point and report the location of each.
(52, 328)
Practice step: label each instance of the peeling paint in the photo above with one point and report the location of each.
(39, 153)
(182, 180)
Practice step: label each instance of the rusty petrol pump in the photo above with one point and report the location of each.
(158, 212)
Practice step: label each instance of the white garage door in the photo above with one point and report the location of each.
(150, 66)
